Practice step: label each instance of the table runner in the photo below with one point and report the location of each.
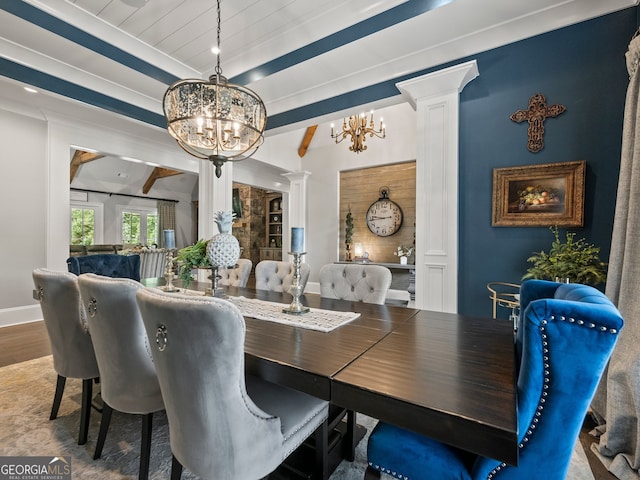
(314, 319)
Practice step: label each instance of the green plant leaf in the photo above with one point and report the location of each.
(576, 260)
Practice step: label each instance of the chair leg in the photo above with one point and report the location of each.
(85, 410)
(371, 473)
(176, 469)
(96, 402)
(104, 428)
(322, 451)
(145, 446)
(350, 438)
(57, 398)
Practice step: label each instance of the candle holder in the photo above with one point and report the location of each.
(169, 275)
(296, 308)
(215, 290)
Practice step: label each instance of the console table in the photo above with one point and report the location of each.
(403, 276)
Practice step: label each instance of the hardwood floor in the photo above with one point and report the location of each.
(19, 343)
(24, 342)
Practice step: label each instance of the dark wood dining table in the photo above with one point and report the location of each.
(450, 377)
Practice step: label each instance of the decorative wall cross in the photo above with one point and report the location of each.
(536, 114)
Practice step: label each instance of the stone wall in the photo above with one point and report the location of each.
(250, 229)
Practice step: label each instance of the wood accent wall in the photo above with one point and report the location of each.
(360, 188)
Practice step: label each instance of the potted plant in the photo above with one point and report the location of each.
(348, 234)
(403, 252)
(193, 256)
(574, 261)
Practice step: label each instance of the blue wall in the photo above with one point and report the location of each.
(581, 67)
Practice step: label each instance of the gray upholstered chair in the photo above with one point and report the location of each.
(277, 276)
(128, 377)
(356, 282)
(222, 425)
(73, 355)
(153, 263)
(238, 276)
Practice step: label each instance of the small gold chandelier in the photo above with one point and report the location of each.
(215, 120)
(357, 127)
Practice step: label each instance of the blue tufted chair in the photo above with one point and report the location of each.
(356, 282)
(73, 355)
(221, 424)
(107, 265)
(238, 276)
(567, 333)
(277, 276)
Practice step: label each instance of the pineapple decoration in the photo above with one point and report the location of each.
(223, 249)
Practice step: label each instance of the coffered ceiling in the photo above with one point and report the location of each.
(122, 54)
(309, 60)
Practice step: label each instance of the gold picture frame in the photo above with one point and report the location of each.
(539, 195)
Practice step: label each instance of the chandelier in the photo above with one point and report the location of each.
(358, 129)
(215, 120)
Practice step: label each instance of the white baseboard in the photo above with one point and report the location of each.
(19, 315)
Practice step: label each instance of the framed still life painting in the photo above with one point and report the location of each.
(539, 195)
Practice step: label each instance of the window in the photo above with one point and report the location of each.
(86, 223)
(138, 225)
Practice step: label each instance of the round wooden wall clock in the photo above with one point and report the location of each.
(384, 216)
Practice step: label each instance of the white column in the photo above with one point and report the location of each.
(435, 97)
(297, 206)
(214, 194)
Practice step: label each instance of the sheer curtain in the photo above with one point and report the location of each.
(166, 218)
(617, 402)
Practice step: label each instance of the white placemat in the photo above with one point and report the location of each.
(315, 319)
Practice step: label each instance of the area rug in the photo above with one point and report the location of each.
(26, 393)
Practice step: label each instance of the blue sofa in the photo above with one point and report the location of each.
(108, 265)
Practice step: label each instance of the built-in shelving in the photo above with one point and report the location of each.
(273, 248)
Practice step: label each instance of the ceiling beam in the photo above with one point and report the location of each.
(306, 140)
(81, 157)
(157, 173)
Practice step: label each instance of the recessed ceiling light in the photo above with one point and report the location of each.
(215, 50)
(122, 175)
(31, 90)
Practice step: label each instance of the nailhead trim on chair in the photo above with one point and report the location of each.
(92, 307)
(546, 380)
(389, 472)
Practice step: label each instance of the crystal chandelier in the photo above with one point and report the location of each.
(358, 129)
(215, 120)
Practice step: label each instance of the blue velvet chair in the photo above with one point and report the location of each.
(565, 338)
(107, 265)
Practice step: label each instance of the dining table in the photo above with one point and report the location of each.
(448, 376)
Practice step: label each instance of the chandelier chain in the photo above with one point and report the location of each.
(215, 120)
(218, 69)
